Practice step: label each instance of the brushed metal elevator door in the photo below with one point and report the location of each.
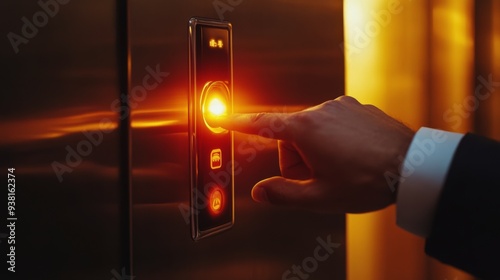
(59, 82)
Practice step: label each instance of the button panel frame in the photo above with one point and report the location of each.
(209, 64)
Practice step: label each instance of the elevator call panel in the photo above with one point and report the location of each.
(210, 147)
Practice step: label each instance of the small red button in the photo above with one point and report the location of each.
(216, 201)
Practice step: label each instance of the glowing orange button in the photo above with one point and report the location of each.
(216, 201)
(215, 103)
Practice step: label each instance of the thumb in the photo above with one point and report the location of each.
(283, 191)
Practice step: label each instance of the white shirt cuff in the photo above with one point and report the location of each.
(423, 174)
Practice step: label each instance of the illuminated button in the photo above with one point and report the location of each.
(216, 201)
(214, 103)
(216, 158)
(216, 106)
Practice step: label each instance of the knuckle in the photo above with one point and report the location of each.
(372, 108)
(347, 99)
(329, 103)
(272, 124)
(256, 118)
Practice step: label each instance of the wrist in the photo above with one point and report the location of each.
(394, 175)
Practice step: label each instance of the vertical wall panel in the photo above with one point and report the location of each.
(415, 63)
(56, 91)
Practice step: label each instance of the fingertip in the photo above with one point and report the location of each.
(262, 190)
(259, 194)
(217, 121)
(277, 190)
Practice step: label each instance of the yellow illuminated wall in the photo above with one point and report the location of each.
(414, 60)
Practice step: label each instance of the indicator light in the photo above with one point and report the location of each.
(212, 43)
(216, 43)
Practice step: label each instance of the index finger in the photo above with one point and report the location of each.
(269, 125)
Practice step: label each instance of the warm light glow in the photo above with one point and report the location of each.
(147, 124)
(413, 60)
(216, 107)
(24, 130)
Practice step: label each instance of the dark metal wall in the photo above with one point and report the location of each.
(61, 91)
(59, 79)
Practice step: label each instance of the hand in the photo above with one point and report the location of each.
(332, 156)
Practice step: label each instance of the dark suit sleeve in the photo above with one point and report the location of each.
(466, 226)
